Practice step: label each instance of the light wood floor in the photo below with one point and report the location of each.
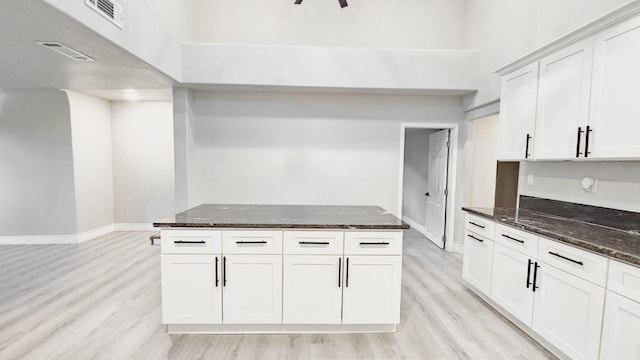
(101, 300)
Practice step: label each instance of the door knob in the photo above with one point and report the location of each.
(427, 194)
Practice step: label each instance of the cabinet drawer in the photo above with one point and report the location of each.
(373, 243)
(625, 280)
(191, 242)
(583, 264)
(252, 242)
(480, 226)
(313, 242)
(518, 240)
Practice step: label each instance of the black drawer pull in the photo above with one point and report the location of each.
(475, 238)
(189, 242)
(512, 238)
(313, 242)
(566, 258)
(374, 243)
(251, 242)
(478, 225)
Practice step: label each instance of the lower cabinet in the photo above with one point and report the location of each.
(568, 312)
(621, 329)
(478, 261)
(512, 282)
(371, 293)
(191, 289)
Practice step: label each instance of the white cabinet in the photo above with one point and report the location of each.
(621, 329)
(312, 289)
(563, 102)
(371, 293)
(477, 261)
(615, 92)
(252, 289)
(191, 289)
(518, 113)
(568, 312)
(512, 281)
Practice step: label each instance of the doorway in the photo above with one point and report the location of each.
(427, 180)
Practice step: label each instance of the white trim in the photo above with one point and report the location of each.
(95, 233)
(451, 178)
(38, 239)
(457, 248)
(133, 227)
(414, 224)
(277, 328)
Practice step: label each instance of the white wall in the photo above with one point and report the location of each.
(416, 24)
(416, 167)
(484, 161)
(92, 160)
(176, 17)
(143, 165)
(36, 164)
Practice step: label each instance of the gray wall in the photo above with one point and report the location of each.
(36, 164)
(416, 166)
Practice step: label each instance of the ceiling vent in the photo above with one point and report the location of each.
(65, 50)
(111, 10)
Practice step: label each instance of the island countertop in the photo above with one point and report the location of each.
(285, 216)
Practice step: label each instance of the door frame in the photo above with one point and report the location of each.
(452, 165)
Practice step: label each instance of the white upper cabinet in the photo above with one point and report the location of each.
(563, 102)
(518, 113)
(615, 114)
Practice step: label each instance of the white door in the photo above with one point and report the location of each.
(621, 329)
(518, 113)
(512, 273)
(563, 102)
(615, 92)
(477, 262)
(252, 291)
(191, 289)
(372, 288)
(437, 186)
(568, 312)
(312, 289)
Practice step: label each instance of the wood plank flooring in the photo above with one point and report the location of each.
(101, 300)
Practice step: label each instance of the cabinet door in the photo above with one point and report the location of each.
(371, 292)
(477, 262)
(252, 289)
(312, 289)
(568, 312)
(191, 289)
(620, 339)
(615, 92)
(509, 282)
(518, 113)
(563, 102)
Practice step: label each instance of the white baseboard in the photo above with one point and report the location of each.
(414, 224)
(38, 239)
(92, 234)
(457, 248)
(133, 227)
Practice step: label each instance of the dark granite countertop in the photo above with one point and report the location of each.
(614, 243)
(285, 216)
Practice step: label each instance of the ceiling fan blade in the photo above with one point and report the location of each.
(297, 2)
(343, 3)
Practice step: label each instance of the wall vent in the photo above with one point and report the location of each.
(65, 50)
(110, 10)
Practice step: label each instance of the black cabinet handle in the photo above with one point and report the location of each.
(566, 258)
(512, 238)
(526, 150)
(374, 243)
(586, 142)
(189, 242)
(313, 242)
(474, 238)
(217, 281)
(580, 131)
(478, 225)
(535, 277)
(251, 242)
(347, 274)
(224, 271)
(529, 273)
(339, 271)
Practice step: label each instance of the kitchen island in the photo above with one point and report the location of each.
(281, 269)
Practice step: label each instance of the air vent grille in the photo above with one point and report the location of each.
(65, 50)
(110, 10)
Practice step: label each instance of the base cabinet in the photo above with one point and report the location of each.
(621, 329)
(511, 287)
(478, 261)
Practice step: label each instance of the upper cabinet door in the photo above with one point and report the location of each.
(518, 113)
(615, 114)
(563, 102)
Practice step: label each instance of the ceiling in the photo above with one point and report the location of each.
(25, 64)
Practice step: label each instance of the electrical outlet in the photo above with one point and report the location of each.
(530, 180)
